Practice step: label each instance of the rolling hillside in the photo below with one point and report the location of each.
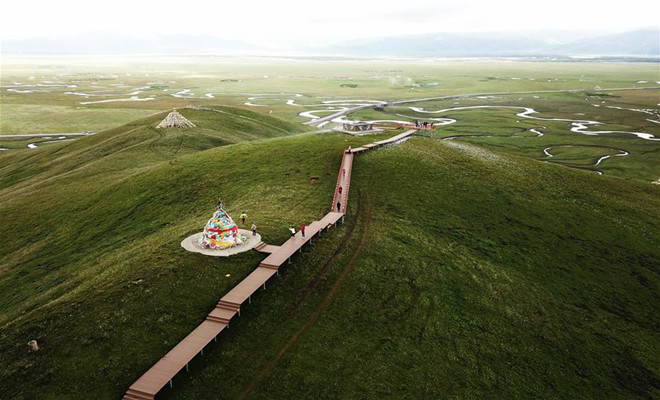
(460, 272)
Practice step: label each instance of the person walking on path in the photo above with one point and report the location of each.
(292, 230)
(243, 216)
(254, 228)
(302, 229)
(339, 206)
(340, 189)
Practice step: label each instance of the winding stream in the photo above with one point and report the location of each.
(335, 106)
(622, 153)
(338, 111)
(578, 126)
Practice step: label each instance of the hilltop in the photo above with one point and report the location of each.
(460, 272)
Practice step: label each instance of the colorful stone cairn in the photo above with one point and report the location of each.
(221, 232)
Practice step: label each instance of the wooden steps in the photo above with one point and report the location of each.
(221, 315)
(262, 247)
(132, 394)
(228, 305)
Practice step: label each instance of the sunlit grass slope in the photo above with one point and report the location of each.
(83, 221)
(481, 275)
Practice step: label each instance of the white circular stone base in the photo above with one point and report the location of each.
(191, 243)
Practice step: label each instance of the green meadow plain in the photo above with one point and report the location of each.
(477, 267)
(54, 95)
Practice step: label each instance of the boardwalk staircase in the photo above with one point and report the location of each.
(162, 373)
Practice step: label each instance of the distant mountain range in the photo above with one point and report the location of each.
(642, 42)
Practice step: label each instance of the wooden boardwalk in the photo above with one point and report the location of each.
(162, 373)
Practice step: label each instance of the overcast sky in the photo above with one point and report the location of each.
(296, 22)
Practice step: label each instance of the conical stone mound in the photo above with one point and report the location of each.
(221, 232)
(175, 120)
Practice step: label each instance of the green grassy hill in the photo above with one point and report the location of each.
(460, 273)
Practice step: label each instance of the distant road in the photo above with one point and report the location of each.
(351, 110)
(31, 135)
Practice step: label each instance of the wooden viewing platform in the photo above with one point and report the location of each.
(162, 373)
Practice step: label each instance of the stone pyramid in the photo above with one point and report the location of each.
(175, 120)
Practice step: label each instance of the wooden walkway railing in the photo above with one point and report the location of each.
(162, 373)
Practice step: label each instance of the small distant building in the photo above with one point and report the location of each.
(358, 126)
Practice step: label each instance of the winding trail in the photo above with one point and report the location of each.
(162, 373)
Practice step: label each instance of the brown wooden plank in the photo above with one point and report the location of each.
(177, 358)
(267, 248)
(240, 293)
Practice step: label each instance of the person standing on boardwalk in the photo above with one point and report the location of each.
(254, 228)
(340, 189)
(292, 230)
(243, 216)
(302, 229)
(339, 206)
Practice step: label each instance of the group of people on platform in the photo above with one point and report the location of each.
(424, 125)
(243, 217)
(302, 230)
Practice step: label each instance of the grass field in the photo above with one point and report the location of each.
(475, 280)
(466, 268)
